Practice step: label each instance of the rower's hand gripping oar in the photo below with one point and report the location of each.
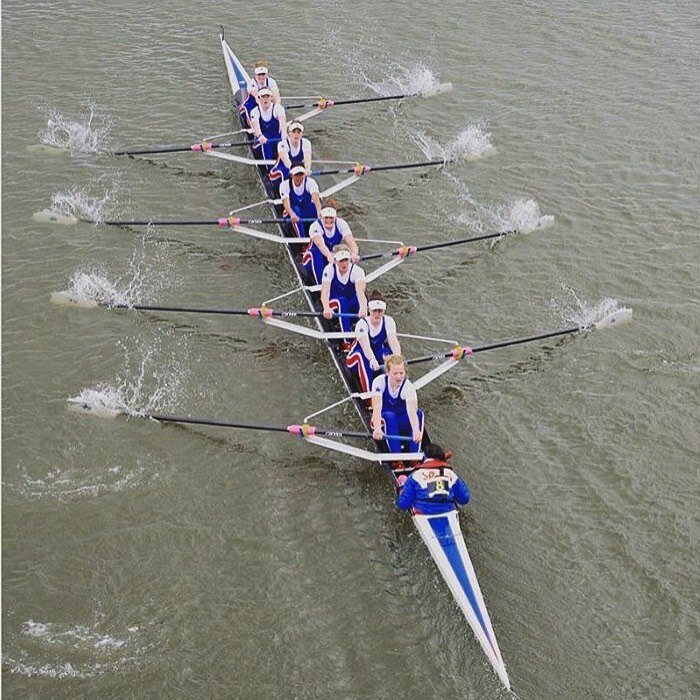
(197, 147)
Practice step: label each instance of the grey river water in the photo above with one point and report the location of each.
(147, 561)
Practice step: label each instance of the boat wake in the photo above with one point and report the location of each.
(67, 485)
(471, 144)
(74, 651)
(84, 134)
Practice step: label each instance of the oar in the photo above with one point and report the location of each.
(403, 251)
(360, 169)
(203, 146)
(325, 102)
(222, 222)
(613, 318)
(256, 312)
(300, 429)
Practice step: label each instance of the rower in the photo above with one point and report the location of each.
(343, 288)
(433, 488)
(376, 339)
(395, 407)
(301, 199)
(292, 150)
(269, 124)
(325, 234)
(260, 80)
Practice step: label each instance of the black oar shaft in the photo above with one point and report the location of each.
(181, 149)
(435, 246)
(527, 339)
(292, 429)
(499, 344)
(353, 101)
(214, 310)
(378, 168)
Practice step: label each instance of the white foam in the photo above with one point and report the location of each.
(83, 134)
(470, 144)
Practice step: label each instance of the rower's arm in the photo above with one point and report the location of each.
(316, 199)
(394, 343)
(255, 126)
(326, 295)
(360, 287)
(363, 340)
(349, 240)
(377, 432)
(284, 156)
(320, 243)
(283, 122)
(412, 410)
(307, 159)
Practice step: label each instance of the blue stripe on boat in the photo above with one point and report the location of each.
(242, 82)
(443, 532)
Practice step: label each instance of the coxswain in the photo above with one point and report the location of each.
(395, 407)
(301, 199)
(433, 487)
(326, 233)
(343, 288)
(376, 340)
(261, 79)
(269, 125)
(292, 150)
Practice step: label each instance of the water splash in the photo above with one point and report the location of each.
(416, 80)
(578, 311)
(151, 380)
(471, 144)
(78, 204)
(149, 271)
(83, 134)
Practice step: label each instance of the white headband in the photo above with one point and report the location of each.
(376, 305)
(328, 211)
(342, 255)
(260, 70)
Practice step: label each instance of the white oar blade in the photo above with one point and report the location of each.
(615, 318)
(50, 217)
(47, 150)
(67, 299)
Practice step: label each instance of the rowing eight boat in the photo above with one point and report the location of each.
(441, 533)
